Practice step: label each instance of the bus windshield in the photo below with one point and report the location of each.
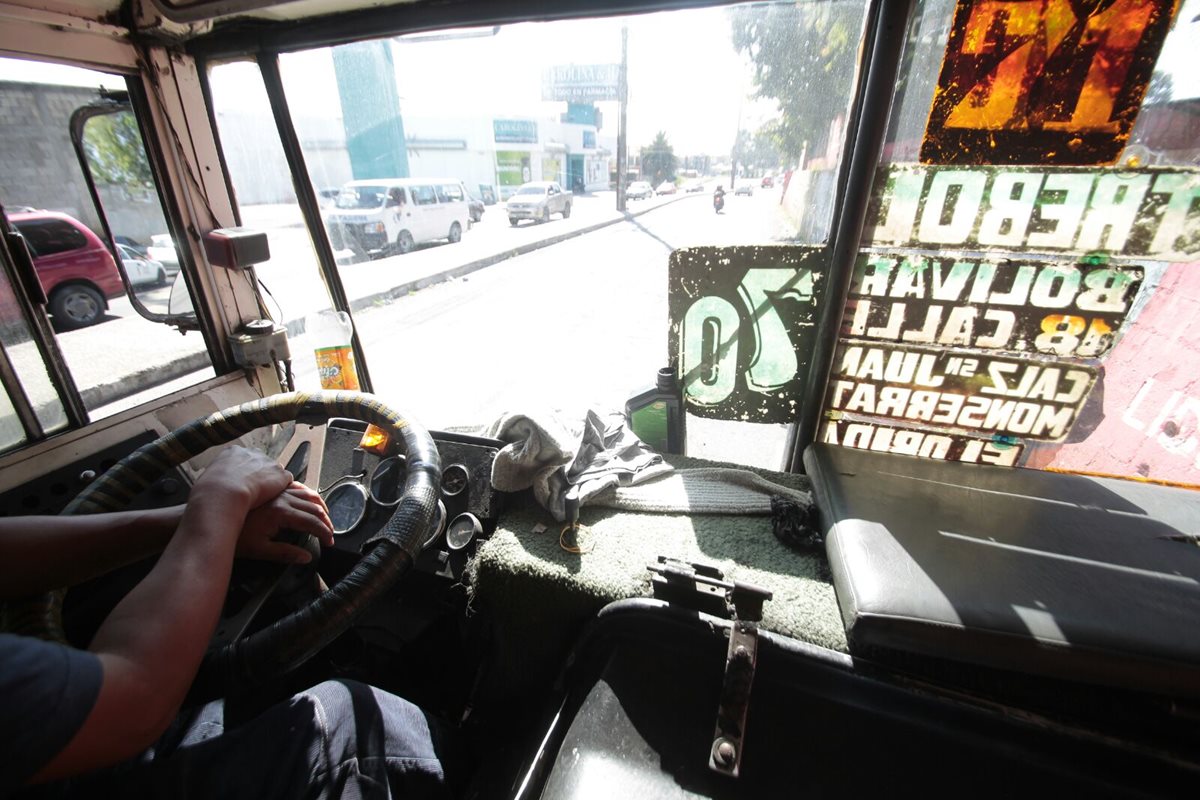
(562, 306)
(994, 303)
(1015, 293)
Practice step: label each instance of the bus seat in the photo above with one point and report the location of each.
(1080, 578)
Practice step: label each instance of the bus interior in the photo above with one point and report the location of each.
(881, 477)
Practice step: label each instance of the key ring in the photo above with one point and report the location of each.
(575, 548)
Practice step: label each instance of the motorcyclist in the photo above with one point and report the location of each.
(719, 197)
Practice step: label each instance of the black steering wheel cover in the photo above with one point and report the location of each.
(292, 640)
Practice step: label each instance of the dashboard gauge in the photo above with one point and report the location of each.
(387, 480)
(463, 530)
(347, 502)
(436, 525)
(454, 479)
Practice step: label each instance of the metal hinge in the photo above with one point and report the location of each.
(704, 588)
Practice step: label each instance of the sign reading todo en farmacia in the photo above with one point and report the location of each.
(581, 83)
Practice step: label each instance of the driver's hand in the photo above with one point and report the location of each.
(246, 478)
(296, 508)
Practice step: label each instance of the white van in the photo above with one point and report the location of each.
(392, 215)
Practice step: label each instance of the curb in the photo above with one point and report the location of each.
(103, 394)
(96, 396)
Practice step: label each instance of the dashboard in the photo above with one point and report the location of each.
(362, 489)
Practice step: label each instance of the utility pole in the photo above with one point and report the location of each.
(737, 140)
(622, 138)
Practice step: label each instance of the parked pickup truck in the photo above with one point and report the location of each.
(537, 201)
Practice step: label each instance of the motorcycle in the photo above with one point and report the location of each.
(718, 202)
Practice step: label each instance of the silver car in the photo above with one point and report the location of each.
(537, 201)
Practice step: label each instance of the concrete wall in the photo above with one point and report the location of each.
(38, 167)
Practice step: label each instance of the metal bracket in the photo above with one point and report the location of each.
(725, 756)
(704, 588)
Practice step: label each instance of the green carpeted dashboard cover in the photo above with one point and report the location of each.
(539, 596)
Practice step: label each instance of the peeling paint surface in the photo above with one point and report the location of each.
(742, 327)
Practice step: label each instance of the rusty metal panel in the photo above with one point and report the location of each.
(742, 328)
(1037, 82)
(964, 390)
(1056, 308)
(998, 450)
(1124, 213)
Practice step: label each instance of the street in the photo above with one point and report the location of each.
(573, 325)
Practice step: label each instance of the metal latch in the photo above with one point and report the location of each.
(704, 588)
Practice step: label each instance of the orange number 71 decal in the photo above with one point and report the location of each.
(1043, 81)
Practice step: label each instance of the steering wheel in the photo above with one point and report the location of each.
(289, 642)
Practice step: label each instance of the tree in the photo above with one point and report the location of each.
(741, 152)
(115, 152)
(658, 160)
(804, 58)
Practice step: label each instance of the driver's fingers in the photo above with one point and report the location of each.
(312, 518)
(302, 492)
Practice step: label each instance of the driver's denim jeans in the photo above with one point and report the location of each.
(339, 739)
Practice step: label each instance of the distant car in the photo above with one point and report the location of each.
(162, 249)
(693, 186)
(744, 188)
(142, 271)
(639, 190)
(537, 201)
(132, 244)
(76, 270)
(768, 181)
(666, 187)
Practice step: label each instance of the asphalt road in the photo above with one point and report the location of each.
(573, 325)
(577, 325)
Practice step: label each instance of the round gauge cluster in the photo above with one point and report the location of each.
(454, 480)
(463, 530)
(351, 496)
(436, 525)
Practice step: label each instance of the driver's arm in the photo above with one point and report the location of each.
(151, 645)
(38, 554)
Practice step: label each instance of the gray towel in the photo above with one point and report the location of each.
(604, 464)
(566, 469)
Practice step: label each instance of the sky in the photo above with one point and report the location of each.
(685, 78)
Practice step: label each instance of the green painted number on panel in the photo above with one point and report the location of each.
(774, 361)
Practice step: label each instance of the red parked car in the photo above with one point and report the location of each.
(76, 270)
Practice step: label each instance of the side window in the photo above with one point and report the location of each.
(47, 237)
(30, 382)
(424, 195)
(116, 357)
(448, 192)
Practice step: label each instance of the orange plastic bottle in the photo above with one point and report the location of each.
(330, 333)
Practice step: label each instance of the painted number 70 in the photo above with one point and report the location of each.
(709, 340)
